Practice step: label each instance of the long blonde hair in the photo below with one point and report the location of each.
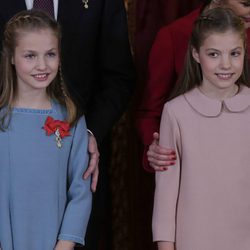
(29, 20)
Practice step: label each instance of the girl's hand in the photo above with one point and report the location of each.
(64, 245)
(165, 245)
(160, 158)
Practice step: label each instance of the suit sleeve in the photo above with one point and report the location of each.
(116, 69)
(79, 195)
(161, 78)
(167, 182)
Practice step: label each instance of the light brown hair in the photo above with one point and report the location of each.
(29, 21)
(216, 20)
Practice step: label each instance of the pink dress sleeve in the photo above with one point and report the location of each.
(167, 182)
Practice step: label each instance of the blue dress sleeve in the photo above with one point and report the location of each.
(79, 196)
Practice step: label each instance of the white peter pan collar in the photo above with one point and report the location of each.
(211, 107)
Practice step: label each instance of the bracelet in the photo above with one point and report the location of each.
(89, 131)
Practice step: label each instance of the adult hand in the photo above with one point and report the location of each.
(93, 168)
(64, 245)
(160, 158)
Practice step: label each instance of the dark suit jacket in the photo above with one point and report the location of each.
(96, 58)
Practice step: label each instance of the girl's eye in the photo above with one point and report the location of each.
(246, 4)
(51, 54)
(29, 56)
(213, 54)
(235, 53)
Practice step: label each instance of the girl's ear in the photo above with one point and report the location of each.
(12, 60)
(195, 55)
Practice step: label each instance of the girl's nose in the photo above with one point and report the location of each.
(41, 63)
(225, 62)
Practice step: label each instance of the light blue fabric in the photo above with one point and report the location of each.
(43, 196)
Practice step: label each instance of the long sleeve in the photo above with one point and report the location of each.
(167, 183)
(79, 196)
(117, 76)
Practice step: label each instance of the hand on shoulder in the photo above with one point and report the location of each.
(160, 158)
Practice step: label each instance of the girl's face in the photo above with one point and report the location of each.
(240, 8)
(221, 63)
(36, 60)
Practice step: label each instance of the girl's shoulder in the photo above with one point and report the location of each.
(61, 114)
(210, 107)
(59, 110)
(176, 103)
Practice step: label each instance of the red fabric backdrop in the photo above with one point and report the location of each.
(150, 16)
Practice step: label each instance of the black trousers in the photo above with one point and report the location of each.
(99, 230)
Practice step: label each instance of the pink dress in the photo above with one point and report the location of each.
(203, 202)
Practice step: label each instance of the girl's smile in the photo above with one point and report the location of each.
(223, 76)
(41, 77)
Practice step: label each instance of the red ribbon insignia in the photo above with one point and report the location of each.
(51, 126)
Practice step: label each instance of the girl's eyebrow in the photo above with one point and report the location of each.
(34, 51)
(29, 50)
(239, 47)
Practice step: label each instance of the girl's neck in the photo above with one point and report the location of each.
(220, 94)
(33, 102)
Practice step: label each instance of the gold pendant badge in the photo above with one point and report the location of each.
(58, 139)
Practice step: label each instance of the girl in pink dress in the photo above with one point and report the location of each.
(164, 67)
(202, 203)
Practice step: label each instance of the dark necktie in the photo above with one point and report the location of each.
(45, 5)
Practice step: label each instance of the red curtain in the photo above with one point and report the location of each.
(150, 16)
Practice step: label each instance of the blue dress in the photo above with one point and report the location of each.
(43, 196)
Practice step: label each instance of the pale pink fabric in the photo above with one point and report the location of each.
(203, 202)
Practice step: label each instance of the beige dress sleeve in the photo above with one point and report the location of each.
(167, 182)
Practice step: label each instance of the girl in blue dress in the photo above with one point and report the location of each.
(45, 202)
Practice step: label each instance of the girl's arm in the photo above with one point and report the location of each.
(79, 196)
(165, 245)
(167, 183)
